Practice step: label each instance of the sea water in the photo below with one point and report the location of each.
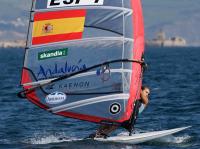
(173, 74)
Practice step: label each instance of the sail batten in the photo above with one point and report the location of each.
(84, 58)
(97, 39)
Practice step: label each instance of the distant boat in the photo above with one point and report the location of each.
(12, 44)
(162, 41)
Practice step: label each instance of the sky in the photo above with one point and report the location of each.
(175, 17)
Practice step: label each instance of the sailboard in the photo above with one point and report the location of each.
(141, 137)
(84, 58)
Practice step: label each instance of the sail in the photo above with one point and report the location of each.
(83, 58)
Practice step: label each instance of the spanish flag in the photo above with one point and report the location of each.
(57, 26)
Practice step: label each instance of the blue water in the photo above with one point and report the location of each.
(173, 75)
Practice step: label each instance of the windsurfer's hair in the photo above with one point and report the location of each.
(145, 87)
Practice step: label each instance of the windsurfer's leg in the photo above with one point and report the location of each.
(129, 124)
(104, 130)
(135, 115)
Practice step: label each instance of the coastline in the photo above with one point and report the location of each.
(13, 44)
(22, 43)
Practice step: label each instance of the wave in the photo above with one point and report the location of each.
(48, 139)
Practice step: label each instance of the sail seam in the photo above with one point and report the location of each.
(84, 40)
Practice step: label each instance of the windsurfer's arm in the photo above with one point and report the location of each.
(141, 109)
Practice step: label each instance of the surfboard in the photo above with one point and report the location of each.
(141, 137)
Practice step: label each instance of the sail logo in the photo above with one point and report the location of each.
(58, 26)
(52, 54)
(115, 108)
(57, 70)
(104, 73)
(66, 3)
(55, 98)
(47, 28)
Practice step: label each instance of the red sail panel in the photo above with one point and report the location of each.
(85, 117)
(59, 14)
(138, 50)
(32, 95)
(56, 38)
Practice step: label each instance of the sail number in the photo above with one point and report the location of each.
(64, 3)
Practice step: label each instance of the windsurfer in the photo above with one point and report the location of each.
(140, 105)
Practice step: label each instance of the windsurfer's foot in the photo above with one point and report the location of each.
(63, 138)
(101, 135)
(94, 135)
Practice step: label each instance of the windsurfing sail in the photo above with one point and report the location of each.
(83, 58)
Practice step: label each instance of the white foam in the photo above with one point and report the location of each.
(38, 139)
(175, 140)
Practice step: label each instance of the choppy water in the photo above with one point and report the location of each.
(173, 75)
